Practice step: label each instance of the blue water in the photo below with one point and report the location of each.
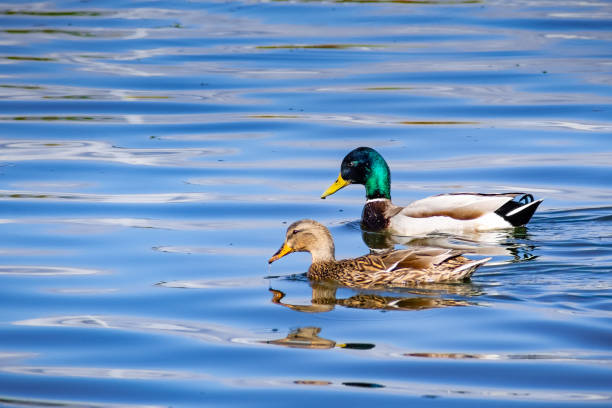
(152, 154)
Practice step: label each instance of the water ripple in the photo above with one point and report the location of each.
(25, 270)
(242, 282)
(222, 251)
(167, 224)
(45, 403)
(201, 331)
(91, 372)
(148, 134)
(150, 198)
(100, 151)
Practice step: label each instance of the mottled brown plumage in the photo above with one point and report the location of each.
(391, 268)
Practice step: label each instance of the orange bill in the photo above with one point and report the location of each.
(284, 250)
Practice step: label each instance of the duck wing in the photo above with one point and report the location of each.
(403, 267)
(394, 259)
(516, 208)
(431, 265)
(417, 259)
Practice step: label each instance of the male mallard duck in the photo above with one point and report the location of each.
(454, 212)
(391, 268)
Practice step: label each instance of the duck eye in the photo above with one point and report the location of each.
(353, 164)
(295, 232)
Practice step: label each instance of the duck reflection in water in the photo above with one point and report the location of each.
(376, 270)
(514, 244)
(324, 298)
(308, 337)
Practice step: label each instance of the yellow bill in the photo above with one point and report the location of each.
(284, 250)
(338, 184)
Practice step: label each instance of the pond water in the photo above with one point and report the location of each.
(152, 154)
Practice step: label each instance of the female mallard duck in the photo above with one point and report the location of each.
(391, 268)
(454, 212)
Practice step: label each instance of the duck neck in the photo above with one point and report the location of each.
(378, 180)
(324, 252)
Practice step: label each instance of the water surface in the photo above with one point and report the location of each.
(153, 153)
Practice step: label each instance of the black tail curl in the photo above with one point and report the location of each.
(519, 211)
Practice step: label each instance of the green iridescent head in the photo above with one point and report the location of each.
(366, 166)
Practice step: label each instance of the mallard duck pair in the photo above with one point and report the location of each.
(455, 212)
